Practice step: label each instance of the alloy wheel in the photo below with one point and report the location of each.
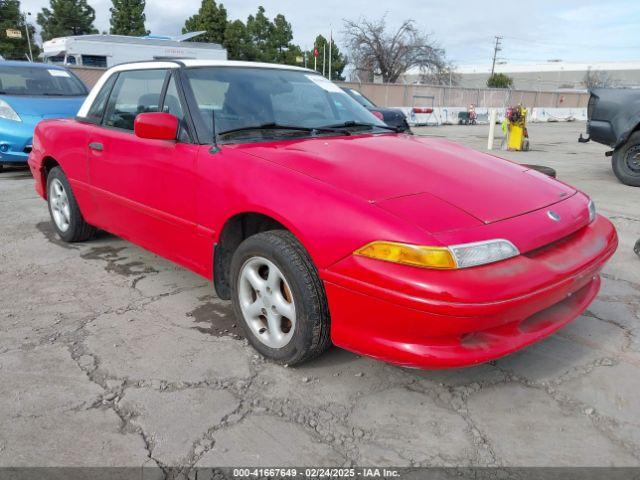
(266, 302)
(60, 208)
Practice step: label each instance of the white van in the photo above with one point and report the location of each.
(105, 51)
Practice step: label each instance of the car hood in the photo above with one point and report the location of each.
(44, 107)
(383, 167)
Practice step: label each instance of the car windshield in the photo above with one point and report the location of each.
(240, 98)
(29, 80)
(358, 97)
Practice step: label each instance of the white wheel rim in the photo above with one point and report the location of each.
(59, 203)
(266, 302)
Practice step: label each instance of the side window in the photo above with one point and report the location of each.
(97, 108)
(94, 61)
(135, 91)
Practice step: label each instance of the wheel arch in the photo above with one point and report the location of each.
(234, 231)
(47, 164)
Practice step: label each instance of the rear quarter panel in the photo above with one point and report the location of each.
(615, 115)
(63, 141)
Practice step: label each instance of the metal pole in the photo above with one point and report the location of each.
(330, 42)
(492, 128)
(26, 29)
(324, 56)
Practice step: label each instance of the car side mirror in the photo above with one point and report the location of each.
(156, 126)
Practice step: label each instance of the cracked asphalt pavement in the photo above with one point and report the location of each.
(112, 356)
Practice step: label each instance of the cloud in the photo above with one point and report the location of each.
(533, 31)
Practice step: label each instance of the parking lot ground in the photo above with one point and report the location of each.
(110, 355)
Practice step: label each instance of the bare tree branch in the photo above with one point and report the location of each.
(598, 79)
(376, 51)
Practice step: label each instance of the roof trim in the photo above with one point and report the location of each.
(237, 63)
(176, 63)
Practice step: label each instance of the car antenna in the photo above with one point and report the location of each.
(214, 148)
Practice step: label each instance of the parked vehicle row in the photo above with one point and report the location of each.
(614, 120)
(317, 220)
(29, 93)
(394, 117)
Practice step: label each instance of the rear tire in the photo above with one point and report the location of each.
(626, 161)
(66, 217)
(296, 292)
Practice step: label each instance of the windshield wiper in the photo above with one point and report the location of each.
(351, 123)
(276, 126)
(52, 94)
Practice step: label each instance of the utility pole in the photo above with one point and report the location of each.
(26, 29)
(496, 49)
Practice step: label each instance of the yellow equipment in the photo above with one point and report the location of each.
(517, 135)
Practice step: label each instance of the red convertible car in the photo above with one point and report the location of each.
(320, 223)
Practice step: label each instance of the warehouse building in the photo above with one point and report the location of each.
(545, 76)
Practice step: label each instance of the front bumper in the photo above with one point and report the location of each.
(402, 327)
(15, 141)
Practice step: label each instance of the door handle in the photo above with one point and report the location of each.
(97, 146)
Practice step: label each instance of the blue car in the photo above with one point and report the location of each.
(30, 92)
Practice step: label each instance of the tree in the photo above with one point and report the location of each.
(212, 19)
(499, 80)
(447, 76)
(280, 37)
(127, 17)
(597, 79)
(374, 50)
(65, 18)
(259, 39)
(262, 39)
(338, 60)
(238, 42)
(260, 30)
(11, 18)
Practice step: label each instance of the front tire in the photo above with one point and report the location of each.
(626, 161)
(278, 296)
(66, 217)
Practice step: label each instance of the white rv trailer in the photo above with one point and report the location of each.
(109, 50)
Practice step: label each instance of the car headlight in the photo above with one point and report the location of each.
(481, 253)
(444, 258)
(592, 211)
(7, 112)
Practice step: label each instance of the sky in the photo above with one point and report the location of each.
(534, 31)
